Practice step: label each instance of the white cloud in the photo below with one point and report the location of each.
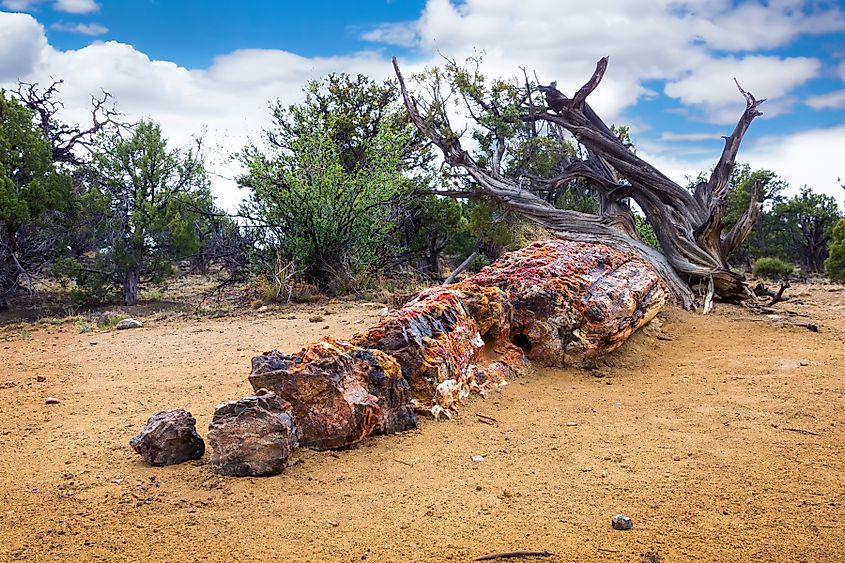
(402, 34)
(19, 5)
(812, 157)
(90, 29)
(752, 25)
(76, 6)
(229, 99)
(710, 85)
(688, 137)
(22, 41)
(830, 100)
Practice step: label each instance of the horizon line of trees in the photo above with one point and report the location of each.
(341, 190)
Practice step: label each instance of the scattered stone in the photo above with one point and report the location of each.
(40, 379)
(586, 469)
(477, 458)
(315, 319)
(51, 401)
(253, 436)
(604, 474)
(676, 458)
(169, 437)
(804, 363)
(8, 385)
(128, 323)
(331, 524)
(621, 522)
(262, 309)
(571, 423)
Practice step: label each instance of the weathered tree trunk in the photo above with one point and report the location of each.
(131, 285)
(688, 225)
(10, 270)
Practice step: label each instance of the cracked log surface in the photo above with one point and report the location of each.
(554, 302)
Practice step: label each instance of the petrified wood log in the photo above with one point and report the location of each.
(552, 302)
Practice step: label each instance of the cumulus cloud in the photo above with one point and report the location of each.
(22, 41)
(812, 157)
(229, 99)
(76, 6)
(90, 29)
(710, 85)
(19, 5)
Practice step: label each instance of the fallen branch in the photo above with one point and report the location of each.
(780, 296)
(802, 431)
(463, 266)
(513, 554)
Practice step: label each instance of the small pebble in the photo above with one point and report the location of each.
(51, 401)
(315, 319)
(571, 423)
(40, 379)
(676, 458)
(477, 458)
(621, 522)
(804, 363)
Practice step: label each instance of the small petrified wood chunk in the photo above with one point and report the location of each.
(252, 436)
(169, 437)
(338, 393)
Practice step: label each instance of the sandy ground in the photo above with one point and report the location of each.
(723, 440)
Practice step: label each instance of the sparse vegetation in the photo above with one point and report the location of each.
(772, 268)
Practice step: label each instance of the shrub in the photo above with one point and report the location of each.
(479, 262)
(771, 267)
(835, 263)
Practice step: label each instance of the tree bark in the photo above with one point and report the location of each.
(688, 225)
(131, 285)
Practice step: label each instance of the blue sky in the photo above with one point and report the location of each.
(213, 66)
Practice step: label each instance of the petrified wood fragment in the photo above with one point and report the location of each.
(252, 436)
(169, 437)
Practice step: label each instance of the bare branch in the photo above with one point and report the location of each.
(592, 83)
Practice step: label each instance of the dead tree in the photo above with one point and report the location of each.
(688, 224)
(67, 142)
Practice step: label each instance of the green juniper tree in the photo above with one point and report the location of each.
(145, 199)
(332, 185)
(31, 190)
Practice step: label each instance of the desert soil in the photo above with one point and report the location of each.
(721, 436)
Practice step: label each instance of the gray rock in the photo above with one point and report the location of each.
(621, 522)
(169, 437)
(252, 436)
(128, 323)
